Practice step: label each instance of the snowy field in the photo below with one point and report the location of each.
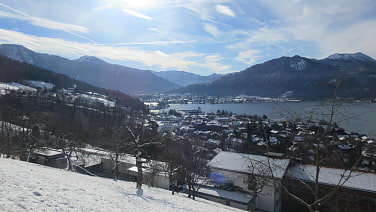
(31, 187)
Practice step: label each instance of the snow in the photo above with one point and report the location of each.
(48, 152)
(330, 176)
(287, 94)
(15, 87)
(31, 187)
(243, 163)
(99, 99)
(244, 198)
(300, 65)
(40, 84)
(357, 56)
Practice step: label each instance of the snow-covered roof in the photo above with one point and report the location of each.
(48, 152)
(240, 197)
(363, 181)
(251, 164)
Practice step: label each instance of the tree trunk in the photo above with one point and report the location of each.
(253, 203)
(139, 172)
(29, 153)
(189, 191)
(116, 167)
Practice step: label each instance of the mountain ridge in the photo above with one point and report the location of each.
(297, 76)
(98, 73)
(355, 56)
(19, 72)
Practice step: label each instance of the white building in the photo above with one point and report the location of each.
(240, 168)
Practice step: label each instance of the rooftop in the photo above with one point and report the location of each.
(251, 164)
(363, 181)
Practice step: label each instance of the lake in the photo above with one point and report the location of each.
(354, 117)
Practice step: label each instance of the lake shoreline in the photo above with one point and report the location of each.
(355, 117)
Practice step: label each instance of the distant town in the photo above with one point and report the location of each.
(161, 101)
(186, 150)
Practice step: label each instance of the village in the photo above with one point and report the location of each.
(251, 160)
(248, 162)
(162, 101)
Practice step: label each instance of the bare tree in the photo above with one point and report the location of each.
(69, 149)
(319, 141)
(116, 140)
(31, 141)
(139, 146)
(193, 165)
(171, 156)
(258, 178)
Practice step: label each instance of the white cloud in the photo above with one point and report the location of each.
(157, 43)
(211, 29)
(248, 57)
(260, 37)
(134, 4)
(153, 29)
(335, 26)
(132, 7)
(212, 62)
(357, 38)
(56, 25)
(11, 15)
(224, 10)
(42, 22)
(136, 14)
(202, 8)
(181, 60)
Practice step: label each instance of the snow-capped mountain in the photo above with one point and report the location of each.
(357, 56)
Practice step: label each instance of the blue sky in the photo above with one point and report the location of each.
(198, 36)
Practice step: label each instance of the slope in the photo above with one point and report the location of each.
(31, 187)
(15, 71)
(92, 70)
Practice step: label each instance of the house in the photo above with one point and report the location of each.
(153, 173)
(356, 193)
(239, 169)
(49, 157)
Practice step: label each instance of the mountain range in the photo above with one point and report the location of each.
(93, 70)
(346, 75)
(102, 74)
(349, 75)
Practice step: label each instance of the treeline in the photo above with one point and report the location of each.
(21, 113)
(15, 71)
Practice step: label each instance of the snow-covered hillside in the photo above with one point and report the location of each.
(31, 187)
(40, 84)
(5, 87)
(357, 56)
